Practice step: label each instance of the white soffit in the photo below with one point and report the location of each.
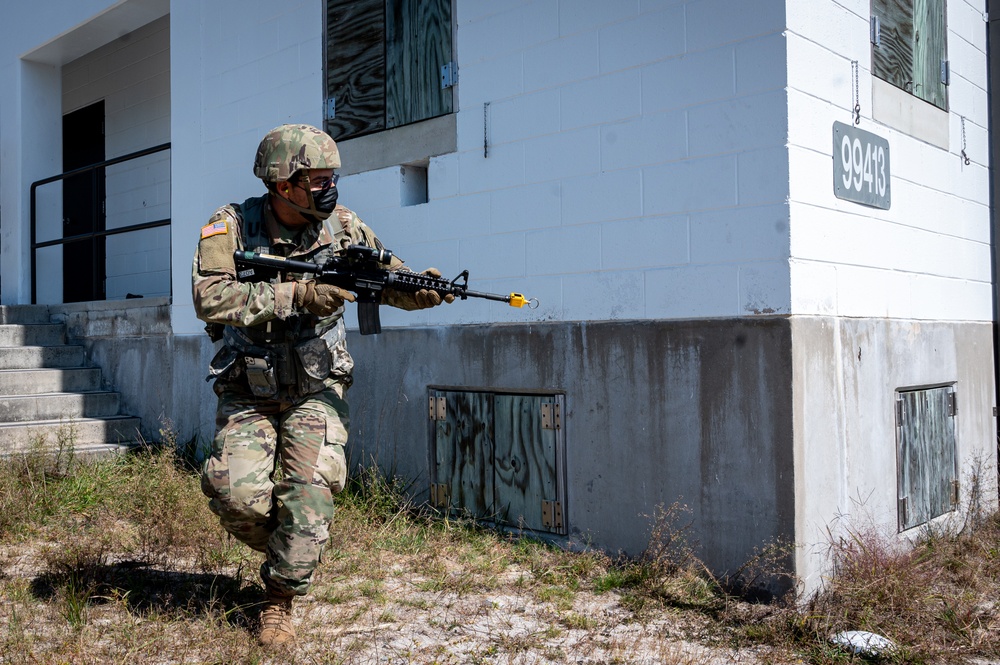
(120, 19)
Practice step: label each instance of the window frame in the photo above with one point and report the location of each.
(926, 433)
(391, 73)
(898, 56)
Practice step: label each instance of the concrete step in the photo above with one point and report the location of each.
(51, 406)
(37, 381)
(48, 399)
(29, 357)
(83, 433)
(49, 334)
(25, 314)
(85, 453)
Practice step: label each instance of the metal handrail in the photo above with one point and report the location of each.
(95, 234)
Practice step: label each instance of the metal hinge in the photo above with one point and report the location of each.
(551, 416)
(945, 72)
(440, 495)
(552, 516)
(449, 75)
(331, 108)
(952, 404)
(875, 33)
(954, 492)
(437, 408)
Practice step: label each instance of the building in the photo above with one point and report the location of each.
(759, 233)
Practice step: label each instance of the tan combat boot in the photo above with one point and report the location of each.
(276, 621)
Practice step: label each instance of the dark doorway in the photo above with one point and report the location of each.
(83, 204)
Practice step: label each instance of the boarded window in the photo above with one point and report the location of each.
(926, 459)
(910, 48)
(384, 60)
(499, 457)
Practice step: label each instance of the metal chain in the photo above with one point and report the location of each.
(486, 137)
(965, 157)
(855, 72)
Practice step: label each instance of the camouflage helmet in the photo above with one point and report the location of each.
(290, 148)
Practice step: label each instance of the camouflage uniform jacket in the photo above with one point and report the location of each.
(261, 317)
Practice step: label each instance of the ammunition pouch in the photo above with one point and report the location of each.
(260, 376)
(312, 359)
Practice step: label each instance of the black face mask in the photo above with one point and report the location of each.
(323, 202)
(325, 199)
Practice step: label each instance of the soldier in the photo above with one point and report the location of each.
(283, 371)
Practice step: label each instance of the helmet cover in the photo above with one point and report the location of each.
(287, 149)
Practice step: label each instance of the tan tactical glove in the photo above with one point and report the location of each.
(320, 299)
(426, 298)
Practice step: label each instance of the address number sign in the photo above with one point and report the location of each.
(860, 166)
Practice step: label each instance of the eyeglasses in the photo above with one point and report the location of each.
(324, 183)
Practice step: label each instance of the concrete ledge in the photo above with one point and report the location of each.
(409, 144)
(135, 317)
(909, 114)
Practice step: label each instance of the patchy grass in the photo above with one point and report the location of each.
(120, 560)
(937, 600)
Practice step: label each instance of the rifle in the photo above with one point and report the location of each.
(362, 270)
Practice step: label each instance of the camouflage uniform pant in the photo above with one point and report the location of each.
(274, 468)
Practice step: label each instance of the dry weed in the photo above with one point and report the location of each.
(935, 597)
(121, 561)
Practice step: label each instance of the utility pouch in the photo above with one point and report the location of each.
(223, 365)
(260, 376)
(313, 358)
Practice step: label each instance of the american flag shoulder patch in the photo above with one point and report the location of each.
(214, 229)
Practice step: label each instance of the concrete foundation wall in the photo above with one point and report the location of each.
(655, 412)
(766, 429)
(846, 373)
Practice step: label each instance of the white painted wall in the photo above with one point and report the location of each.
(627, 141)
(132, 76)
(636, 164)
(266, 71)
(928, 256)
(36, 41)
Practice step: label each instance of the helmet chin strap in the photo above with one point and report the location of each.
(310, 213)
